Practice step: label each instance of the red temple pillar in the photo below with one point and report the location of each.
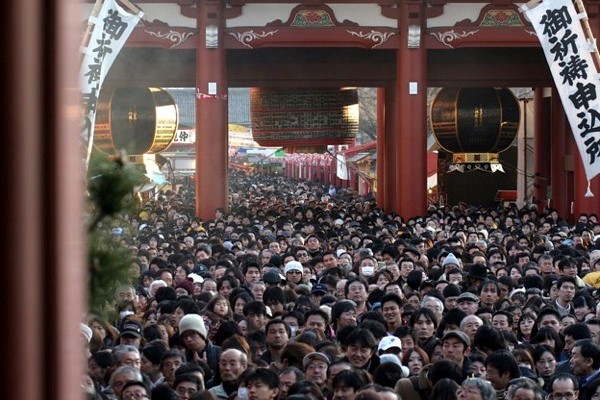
(380, 147)
(389, 146)
(541, 148)
(559, 150)
(411, 151)
(211, 110)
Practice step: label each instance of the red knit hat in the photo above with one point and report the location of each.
(187, 285)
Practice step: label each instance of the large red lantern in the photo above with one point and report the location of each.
(303, 117)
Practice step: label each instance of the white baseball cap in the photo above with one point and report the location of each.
(387, 342)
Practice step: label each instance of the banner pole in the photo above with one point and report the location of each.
(88, 30)
(588, 31)
(531, 4)
(132, 7)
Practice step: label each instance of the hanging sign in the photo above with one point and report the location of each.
(112, 25)
(570, 55)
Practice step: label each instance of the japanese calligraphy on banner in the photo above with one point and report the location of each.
(569, 54)
(111, 28)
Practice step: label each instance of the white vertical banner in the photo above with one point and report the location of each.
(341, 166)
(569, 54)
(111, 28)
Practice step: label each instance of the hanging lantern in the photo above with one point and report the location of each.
(135, 120)
(475, 125)
(303, 117)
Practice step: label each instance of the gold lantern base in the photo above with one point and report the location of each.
(470, 162)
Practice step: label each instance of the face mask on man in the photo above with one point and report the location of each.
(368, 271)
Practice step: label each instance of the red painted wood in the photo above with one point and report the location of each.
(559, 142)
(411, 152)
(211, 118)
(541, 148)
(381, 138)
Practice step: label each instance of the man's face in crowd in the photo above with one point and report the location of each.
(230, 365)
(316, 371)
(468, 306)
(285, 381)
(392, 313)
(252, 275)
(317, 323)
(566, 292)
(405, 268)
(256, 322)
(550, 320)
(329, 261)
(277, 336)
(357, 292)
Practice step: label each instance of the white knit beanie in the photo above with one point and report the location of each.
(192, 322)
(293, 266)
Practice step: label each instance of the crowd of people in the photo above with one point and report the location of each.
(302, 292)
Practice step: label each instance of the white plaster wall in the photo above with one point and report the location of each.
(261, 14)
(456, 12)
(362, 14)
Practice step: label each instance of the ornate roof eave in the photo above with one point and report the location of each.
(182, 38)
(499, 24)
(361, 37)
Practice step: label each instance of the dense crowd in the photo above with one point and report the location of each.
(302, 291)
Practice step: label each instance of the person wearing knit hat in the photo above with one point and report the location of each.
(193, 334)
(193, 323)
(293, 272)
(184, 288)
(451, 293)
(450, 262)
(272, 277)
